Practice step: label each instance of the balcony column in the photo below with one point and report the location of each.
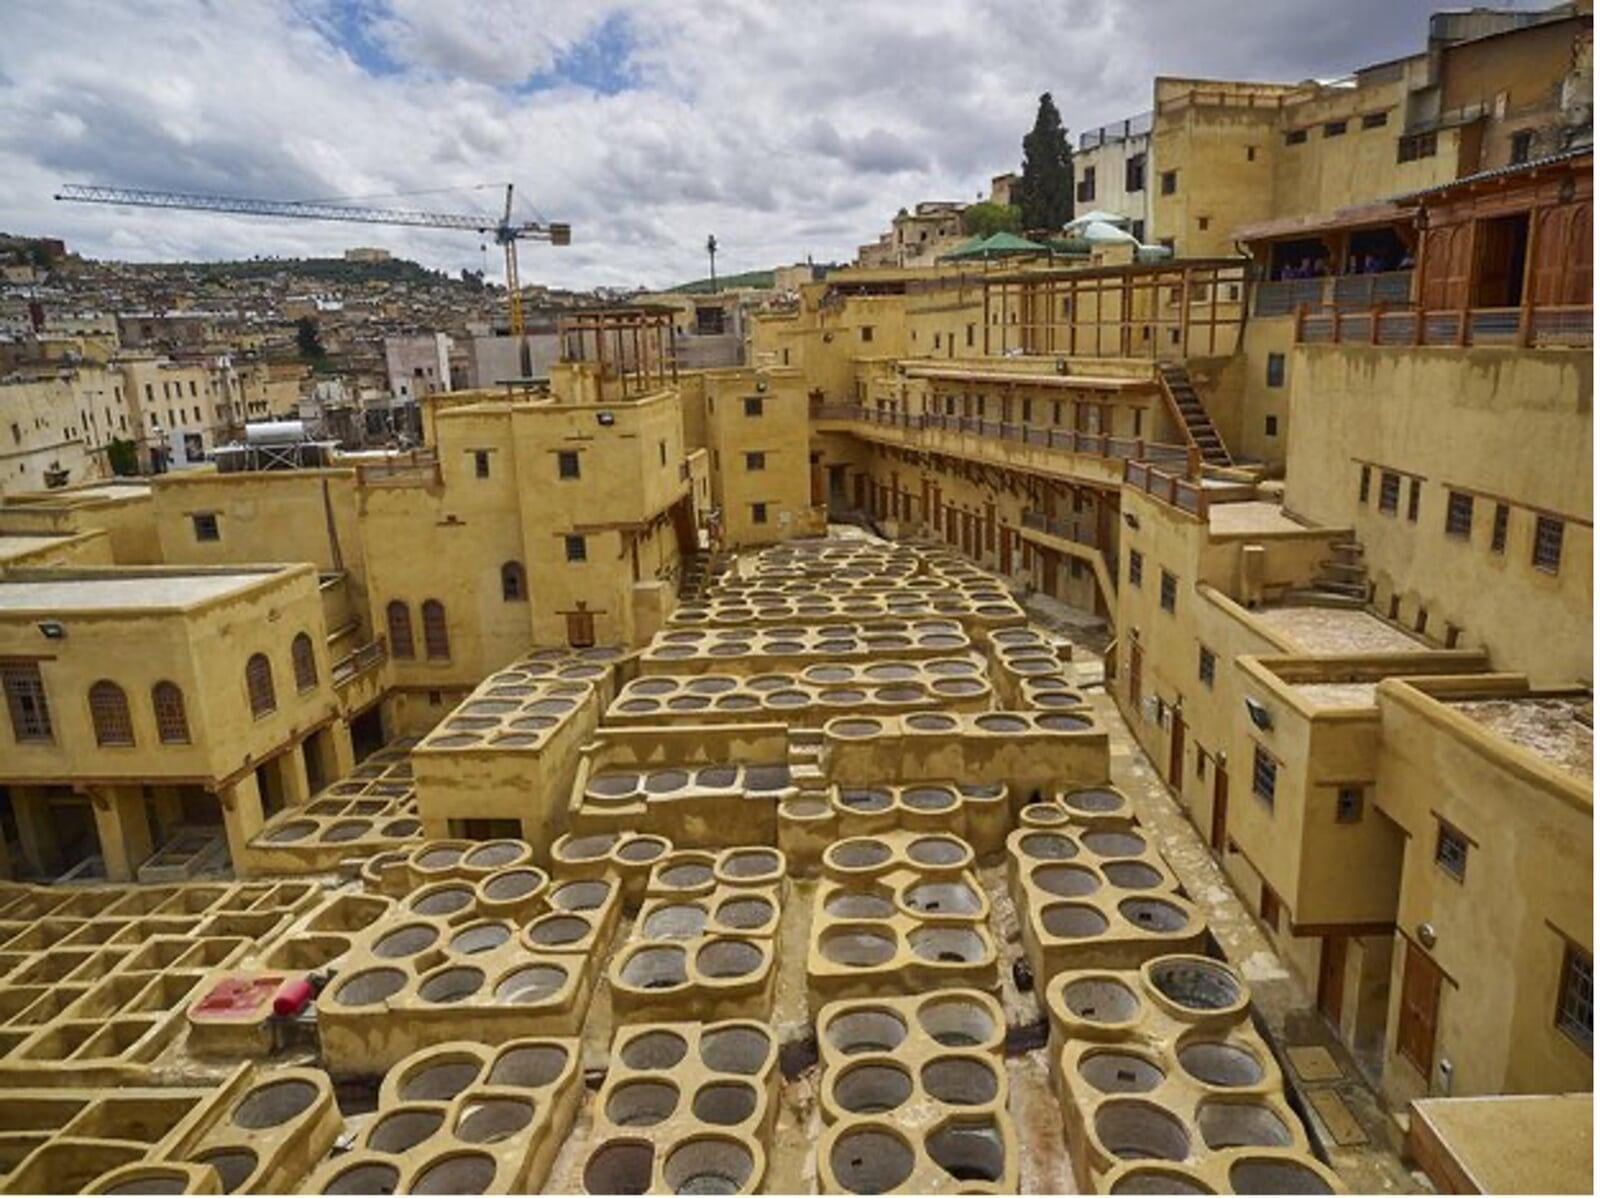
(338, 751)
(241, 818)
(293, 776)
(123, 828)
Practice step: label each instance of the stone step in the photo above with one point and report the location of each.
(1355, 590)
(1317, 597)
(1359, 568)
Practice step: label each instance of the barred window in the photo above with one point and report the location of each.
(1497, 536)
(1169, 591)
(258, 683)
(1389, 493)
(1264, 776)
(435, 631)
(1366, 482)
(1135, 567)
(172, 721)
(1450, 852)
(399, 618)
(1547, 543)
(26, 702)
(304, 658)
(1458, 515)
(1208, 666)
(108, 708)
(1575, 1012)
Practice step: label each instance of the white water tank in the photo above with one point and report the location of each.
(275, 432)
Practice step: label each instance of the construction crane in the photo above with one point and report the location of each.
(505, 232)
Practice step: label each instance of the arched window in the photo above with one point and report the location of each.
(258, 681)
(108, 707)
(305, 663)
(513, 582)
(172, 721)
(400, 643)
(435, 632)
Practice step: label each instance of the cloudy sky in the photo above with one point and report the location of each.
(786, 127)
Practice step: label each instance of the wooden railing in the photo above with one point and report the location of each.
(1101, 445)
(1517, 327)
(1182, 493)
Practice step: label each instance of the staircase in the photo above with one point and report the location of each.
(1185, 403)
(1341, 580)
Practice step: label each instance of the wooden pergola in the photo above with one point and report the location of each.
(637, 346)
(1172, 309)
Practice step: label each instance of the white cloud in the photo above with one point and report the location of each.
(786, 129)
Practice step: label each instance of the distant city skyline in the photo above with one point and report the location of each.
(786, 130)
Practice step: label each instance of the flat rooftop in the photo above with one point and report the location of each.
(1338, 694)
(1337, 630)
(1511, 1144)
(15, 545)
(1250, 515)
(1547, 727)
(114, 593)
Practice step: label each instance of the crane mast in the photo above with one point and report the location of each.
(505, 232)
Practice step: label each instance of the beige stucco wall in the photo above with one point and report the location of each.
(1501, 931)
(1510, 426)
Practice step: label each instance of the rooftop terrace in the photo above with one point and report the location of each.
(1337, 630)
(1558, 730)
(133, 591)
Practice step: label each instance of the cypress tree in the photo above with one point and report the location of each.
(1045, 191)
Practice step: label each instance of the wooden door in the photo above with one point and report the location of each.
(1005, 549)
(1049, 558)
(580, 629)
(1219, 807)
(1419, 1009)
(1175, 752)
(1330, 978)
(1135, 674)
(988, 527)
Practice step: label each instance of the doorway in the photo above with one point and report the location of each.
(1330, 978)
(366, 732)
(580, 628)
(1219, 806)
(1502, 260)
(1419, 1010)
(1135, 675)
(1175, 753)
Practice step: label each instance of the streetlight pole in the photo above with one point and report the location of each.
(711, 248)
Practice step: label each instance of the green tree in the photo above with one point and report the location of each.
(986, 219)
(123, 456)
(309, 338)
(1045, 189)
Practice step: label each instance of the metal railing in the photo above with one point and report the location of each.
(1515, 327)
(1282, 297)
(1101, 445)
(366, 657)
(416, 467)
